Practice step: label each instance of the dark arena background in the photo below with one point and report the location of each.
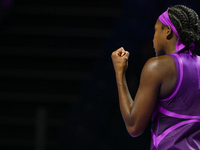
(57, 82)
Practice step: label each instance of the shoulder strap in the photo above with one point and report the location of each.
(179, 67)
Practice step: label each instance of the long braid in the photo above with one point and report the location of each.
(192, 16)
(186, 22)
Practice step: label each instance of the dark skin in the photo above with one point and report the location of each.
(157, 80)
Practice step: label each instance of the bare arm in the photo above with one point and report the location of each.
(137, 113)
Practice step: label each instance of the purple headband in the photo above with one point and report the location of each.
(164, 19)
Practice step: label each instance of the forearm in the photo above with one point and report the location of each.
(125, 99)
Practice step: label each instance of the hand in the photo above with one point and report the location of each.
(120, 60)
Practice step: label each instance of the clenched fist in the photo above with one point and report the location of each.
(120, 60)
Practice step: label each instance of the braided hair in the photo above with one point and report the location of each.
(187, 24)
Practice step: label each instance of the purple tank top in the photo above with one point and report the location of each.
(176, 119)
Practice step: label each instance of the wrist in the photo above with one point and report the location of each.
(121, 78)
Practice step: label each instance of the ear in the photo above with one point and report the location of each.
(168, 31)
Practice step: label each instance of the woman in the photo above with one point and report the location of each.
(169, 89)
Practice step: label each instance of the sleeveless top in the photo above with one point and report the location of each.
(176, 119)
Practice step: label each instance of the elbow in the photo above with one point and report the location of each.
(134, 130)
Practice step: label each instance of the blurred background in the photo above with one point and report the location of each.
(57, 82)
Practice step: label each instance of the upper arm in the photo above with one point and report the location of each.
(145, 100)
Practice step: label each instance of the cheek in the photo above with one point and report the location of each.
(154, 41)
(154, 37)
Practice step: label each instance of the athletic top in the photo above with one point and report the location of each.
(176, 119)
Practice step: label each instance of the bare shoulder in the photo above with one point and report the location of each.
(161, 72)
(162, 64)
(160, 61)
